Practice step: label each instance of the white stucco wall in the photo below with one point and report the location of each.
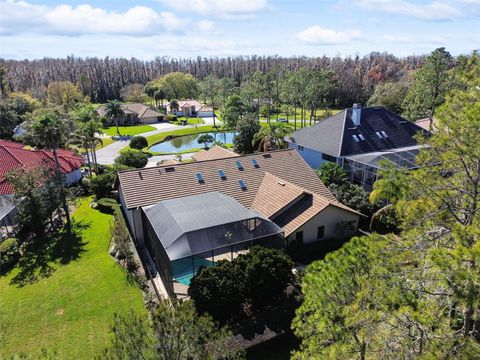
(205, 114)
(329, 218)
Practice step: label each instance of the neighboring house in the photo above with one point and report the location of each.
(14, 156)
(194, 214)
(191, 108)
(8, 210)
(359, 139)
(425, 124)
(136, 113)
(215, 152)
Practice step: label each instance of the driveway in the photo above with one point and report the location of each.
(107, 155)
(209, 121)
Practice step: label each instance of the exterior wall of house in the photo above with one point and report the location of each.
(312, 157)
(330, 218)
(205, 114)
(151, 120)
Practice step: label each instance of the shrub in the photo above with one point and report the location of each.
(107, 205)
(102, 185)
(138, 142)
(132, 158)
(9, 252)
(171, 117)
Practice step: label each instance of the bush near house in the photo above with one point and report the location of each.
(138, 142)
(9, 252)
(132, 158)
(102, 185)
(107, 205)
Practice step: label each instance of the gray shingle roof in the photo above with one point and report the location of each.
(334, 136)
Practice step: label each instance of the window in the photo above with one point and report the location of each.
(222, 174)
(299, 237)
(199, 177)
(239, 165)
(242, 184)
(320, 232)
(329, 158)
(300, 147)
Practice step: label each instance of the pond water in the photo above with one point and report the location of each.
(183, 143)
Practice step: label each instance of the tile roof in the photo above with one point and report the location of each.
(215, 152)
(334, 135)
(263, 189)
(192, 103)
(13, 157)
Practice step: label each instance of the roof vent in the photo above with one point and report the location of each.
(267, 156)
(356, 114)
(239, 165)
(170, 169)
(281, 183)
(200, 178)
(242, 184)
(140, 174)
(222, 175)
(255, 163)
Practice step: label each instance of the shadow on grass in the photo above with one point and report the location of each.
(38, 257)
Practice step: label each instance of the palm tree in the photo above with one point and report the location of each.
(86, 137)
(159, 95)
(270, 137)
(50, 131)
(114, 111)
(81, 138)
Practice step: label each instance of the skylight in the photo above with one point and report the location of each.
(361, 137)
(355, 137)
(239, 165)
(242, 184)
(378, 135)
(385, 136)
(199, 177)
(255, 163)
(222, 174)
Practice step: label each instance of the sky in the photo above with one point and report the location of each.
(32, 29)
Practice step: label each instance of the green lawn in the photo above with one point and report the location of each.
(106, 141)
(190, 120)
(155, 139)
(69, 308)
(128, 130)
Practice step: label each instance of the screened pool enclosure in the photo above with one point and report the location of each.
(186, 233)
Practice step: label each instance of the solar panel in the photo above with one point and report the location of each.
(199, 177)
(255, 163)
(242, 184)
(221, 174)
(239, 165)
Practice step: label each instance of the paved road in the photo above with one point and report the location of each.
(107, 155)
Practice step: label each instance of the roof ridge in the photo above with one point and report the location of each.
(343, 133)
(7, 149)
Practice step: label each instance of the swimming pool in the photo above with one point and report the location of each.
(184, 143)
(183, 269)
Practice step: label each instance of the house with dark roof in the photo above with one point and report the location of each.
(359, 139)
(136, 113)
(193, 214)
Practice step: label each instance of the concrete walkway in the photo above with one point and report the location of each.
(107, 155)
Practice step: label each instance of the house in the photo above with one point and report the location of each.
(136, 113)
(191, 108)
(194, 214)
(359, 139)
(14, 156)
(215, 152)
(425, 124)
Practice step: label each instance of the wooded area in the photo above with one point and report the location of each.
(103, 79)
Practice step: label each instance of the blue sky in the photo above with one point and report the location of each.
(190, 28)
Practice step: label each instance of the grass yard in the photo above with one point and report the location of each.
(190, 120)
(63, 298)
(128, 130)
(106, 141)
(155, 139)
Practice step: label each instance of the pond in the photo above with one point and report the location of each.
(184, 143)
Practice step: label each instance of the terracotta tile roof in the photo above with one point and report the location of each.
(215, 152)
(275, 194)
(13, 144)
(169, 162)
(191, 103)
(13, 157)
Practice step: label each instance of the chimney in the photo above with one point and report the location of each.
(356, 113)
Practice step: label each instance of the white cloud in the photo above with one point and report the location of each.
(20, 16)
(219, 7)
(206, 26)
(316, 35)
(432, 11)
